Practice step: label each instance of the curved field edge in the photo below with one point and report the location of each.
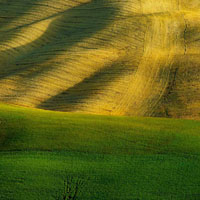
(34, 129)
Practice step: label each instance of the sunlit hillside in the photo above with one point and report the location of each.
(133, 57)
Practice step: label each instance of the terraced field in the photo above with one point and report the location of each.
(133, 57)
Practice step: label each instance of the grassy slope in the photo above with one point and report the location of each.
(128, 57)
(23, 129)
(116, 157)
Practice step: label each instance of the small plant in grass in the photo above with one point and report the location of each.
(71, 188)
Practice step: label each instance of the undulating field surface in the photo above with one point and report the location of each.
(105, 57)
(130, 57)
(101, 157)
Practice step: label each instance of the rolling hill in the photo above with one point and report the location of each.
(137, 60)
(100, 157)
(133, 57)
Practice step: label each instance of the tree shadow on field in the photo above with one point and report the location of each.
(12, 130)
(68, 28)
(11, 11)
(90, 86)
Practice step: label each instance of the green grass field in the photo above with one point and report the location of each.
(113, 157)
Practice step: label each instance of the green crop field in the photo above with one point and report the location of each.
(102, 157)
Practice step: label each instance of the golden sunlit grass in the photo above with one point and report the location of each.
(105, 57)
